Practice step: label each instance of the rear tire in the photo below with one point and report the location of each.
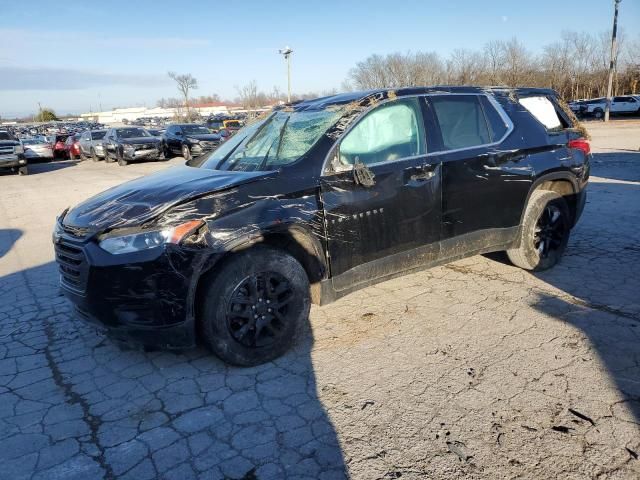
(545, 232)
(83, 157)
(598, 113)
(254, 306)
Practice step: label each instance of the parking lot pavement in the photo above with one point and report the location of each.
(471, 370)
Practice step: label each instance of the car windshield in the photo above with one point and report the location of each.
(195, 130)
(32, 141)
(132, 133)
(97, 135)
(278, 140)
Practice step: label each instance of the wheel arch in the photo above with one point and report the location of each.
(563, 183)
(295, 240)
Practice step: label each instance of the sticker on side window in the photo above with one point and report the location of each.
(543, 110)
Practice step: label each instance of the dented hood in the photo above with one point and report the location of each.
(143, 199)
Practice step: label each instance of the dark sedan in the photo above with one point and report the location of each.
(189, 140)
(131, 144)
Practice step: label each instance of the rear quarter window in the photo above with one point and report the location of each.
(544, 111)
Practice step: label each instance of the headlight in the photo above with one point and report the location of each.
(136, 242)
(127, 146)
(193, 140)
(57, 231)
(18, 149)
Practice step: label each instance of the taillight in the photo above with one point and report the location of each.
(580, 144)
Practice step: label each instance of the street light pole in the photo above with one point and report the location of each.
(612, 60)
(286, 52)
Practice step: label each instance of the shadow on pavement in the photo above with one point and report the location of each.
(600, 285)
(8, 238)
(37, 168)
(149, 413)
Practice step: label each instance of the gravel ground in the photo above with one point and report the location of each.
(471, 370)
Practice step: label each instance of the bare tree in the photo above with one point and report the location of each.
(466, 67)
(397, 70)
(185, 82)
(248, 96)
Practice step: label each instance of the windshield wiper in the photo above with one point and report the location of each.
(266, 157)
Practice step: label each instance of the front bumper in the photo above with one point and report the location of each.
(144, 298)
(12, 161)
(201, 148)
(151, 153)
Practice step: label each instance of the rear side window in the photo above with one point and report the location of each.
(461, 120)
(497, 125)
(543, 110)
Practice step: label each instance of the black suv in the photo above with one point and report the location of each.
(12, 153)
(316, 200)
(131, 144)
(189, 140)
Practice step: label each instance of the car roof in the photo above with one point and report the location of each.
(360, 96)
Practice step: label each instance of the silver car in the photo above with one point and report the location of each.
(91, 144)
(36, 148)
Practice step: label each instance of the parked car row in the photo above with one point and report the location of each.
(132, 143)
(621, 105)
(122, 144)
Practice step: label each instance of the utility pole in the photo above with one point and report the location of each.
(286, 51)
(612, 60)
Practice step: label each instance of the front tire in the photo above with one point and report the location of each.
(23, 170)
(254, 306)
(545, 232)
(186, 153)
(121, 161)
(598, 113)
(94, 155)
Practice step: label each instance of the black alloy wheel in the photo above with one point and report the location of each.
(544, 233)
(253, 306)
(257, 313)
(550, 231)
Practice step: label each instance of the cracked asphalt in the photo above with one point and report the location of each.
(471, 370)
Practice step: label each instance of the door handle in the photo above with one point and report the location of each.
(423, 172)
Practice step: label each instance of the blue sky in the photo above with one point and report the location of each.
(76, 55)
